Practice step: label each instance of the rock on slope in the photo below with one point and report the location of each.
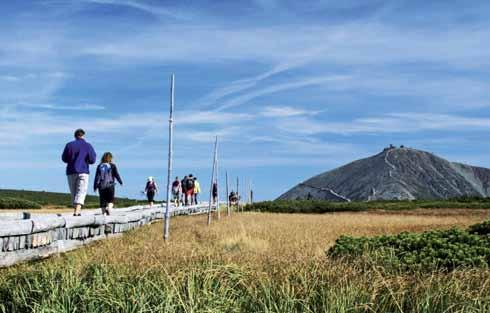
(395, 173)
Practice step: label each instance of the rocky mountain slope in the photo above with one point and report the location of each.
(395, 173)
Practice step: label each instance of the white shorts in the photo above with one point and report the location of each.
(78, 184)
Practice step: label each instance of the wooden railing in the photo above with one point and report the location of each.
(25, 236)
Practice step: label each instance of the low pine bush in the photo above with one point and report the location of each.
(13, 203)
(480, 228)
(323, 206)
(439, 249)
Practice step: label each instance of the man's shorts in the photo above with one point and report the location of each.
(78, 184)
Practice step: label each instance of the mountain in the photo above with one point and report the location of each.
(395, 173)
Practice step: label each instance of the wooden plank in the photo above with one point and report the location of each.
(15, 228)
(41, 224)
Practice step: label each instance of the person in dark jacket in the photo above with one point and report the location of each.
(78, 156)
(183, 183)
(215, 192)
(105, 182)
(151, 190)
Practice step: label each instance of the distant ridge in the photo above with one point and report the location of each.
(395, 173)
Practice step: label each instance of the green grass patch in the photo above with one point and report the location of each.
(208, 287)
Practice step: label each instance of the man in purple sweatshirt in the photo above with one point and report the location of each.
(78, 155)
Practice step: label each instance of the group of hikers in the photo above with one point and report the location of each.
(186, 191)
(79, 155)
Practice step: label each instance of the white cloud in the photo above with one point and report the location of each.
(246, 83)
(386, 123)
(285, 111)
(208, 136)
(80, 107)
(305, 82)
(144, 7)
(209, 117)
(17, 127)
(9, 78)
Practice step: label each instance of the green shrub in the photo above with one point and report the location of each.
(480, 228)
(439, 249)
(323, 206)
(13, 203)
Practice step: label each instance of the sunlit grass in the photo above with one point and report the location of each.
(250, 262)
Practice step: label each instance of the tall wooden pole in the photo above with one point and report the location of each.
(227, 196)
(212, 180)
(237, 194)
(217, 181)
(249, 191)
(166, 227)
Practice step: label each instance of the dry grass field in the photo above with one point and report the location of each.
(251, 262)
(260, 239)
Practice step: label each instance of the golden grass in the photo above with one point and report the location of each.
(258, 241)
(251, 262)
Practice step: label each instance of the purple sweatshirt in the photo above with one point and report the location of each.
(78, 155)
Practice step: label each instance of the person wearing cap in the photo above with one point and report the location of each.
(78, 156)
(151, 190)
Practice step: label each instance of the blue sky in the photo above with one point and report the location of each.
(291, 88)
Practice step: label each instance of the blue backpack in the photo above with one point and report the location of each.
(106, 179)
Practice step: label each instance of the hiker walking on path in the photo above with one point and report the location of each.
(215, 192)
(176, 191)
(197, 190)
(190, 190)
(105, 182)
(151, 190)
(233, 198)
(78, 155)
(183, 184)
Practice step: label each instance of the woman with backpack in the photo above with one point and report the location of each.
(190, 190)
(105, 182)
(151, 190)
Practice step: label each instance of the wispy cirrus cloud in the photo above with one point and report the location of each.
(407, 122)
(309, 81)
(210, 117)
(78, 107)
(9, 78)
(197, 126)
(285, 111)
(143, 6)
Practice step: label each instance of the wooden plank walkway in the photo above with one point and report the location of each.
(33, 236)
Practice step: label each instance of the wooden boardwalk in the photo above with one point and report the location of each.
(25, 236)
